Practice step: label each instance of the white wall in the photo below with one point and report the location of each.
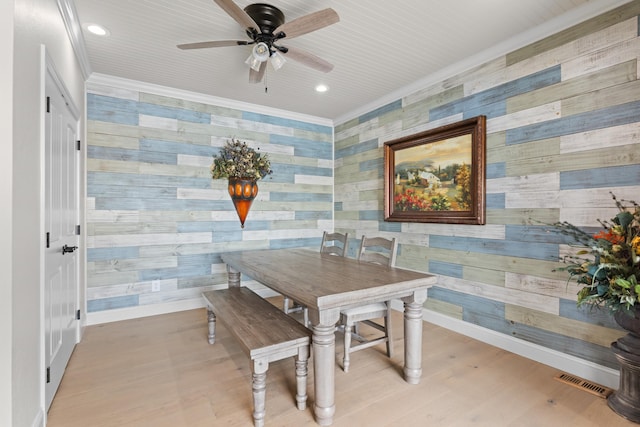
(36, 22)
(6, 117)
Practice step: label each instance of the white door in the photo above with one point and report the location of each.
(61, 222)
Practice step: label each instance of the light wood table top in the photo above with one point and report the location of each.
(325, 281)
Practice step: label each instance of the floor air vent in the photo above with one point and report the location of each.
(598, 390)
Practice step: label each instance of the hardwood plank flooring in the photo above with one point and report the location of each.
(160, 371)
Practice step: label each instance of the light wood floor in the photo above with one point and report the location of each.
(159, 371)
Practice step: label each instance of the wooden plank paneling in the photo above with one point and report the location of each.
(624, 51)
(563, 131)
(484, 275)
(611, 136)
(593, 25)
(151, 194)
(594, 159)
(526, 215)
(501, 294)
(445, 308)
(567, 327)
(602, 98)
(582, 86)
(531, 151)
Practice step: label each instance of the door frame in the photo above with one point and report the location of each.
(47, 67)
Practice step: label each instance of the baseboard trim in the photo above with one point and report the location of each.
(128, 313)
(116, 315)
(573, 365)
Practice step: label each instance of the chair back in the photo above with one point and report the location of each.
(378, 250)
(334, 243)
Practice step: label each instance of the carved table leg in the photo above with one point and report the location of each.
(259, 391)
(324, 362)
(301, 377)
(412, 342)
(233, 277)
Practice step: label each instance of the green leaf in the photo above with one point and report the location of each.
(623, 283)
(602, 289)
(624, 219)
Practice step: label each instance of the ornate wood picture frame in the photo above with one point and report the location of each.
(437, 175)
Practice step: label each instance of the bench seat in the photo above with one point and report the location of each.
(265, 334)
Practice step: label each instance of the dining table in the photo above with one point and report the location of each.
(327, 284)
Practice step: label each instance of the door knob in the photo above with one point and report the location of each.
(68, 249)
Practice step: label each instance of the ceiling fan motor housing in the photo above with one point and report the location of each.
(266, 16)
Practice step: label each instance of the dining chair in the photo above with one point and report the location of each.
(377, 250)
(332, 243)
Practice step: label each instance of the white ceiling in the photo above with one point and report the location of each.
(380, 49)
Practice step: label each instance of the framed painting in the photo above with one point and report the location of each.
(437, 175)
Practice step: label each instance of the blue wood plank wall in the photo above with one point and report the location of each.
(155, 216)
(563, 126)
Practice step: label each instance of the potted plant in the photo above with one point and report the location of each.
(242, 166)
(608, 269)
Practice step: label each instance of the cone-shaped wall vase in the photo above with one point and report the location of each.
(242, 192)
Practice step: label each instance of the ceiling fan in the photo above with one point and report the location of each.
(265, 25)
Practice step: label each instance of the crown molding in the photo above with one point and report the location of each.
(74, 30)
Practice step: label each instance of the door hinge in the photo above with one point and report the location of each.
(48, 374)
(77, 230)
(48, 104)
(78, 146)
(77, 314)
(48, 238)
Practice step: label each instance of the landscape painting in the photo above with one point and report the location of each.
(437, 175)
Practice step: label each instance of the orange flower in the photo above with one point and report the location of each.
(635, 244)
(609, 236)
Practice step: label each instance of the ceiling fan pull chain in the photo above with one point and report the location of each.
(266, 72)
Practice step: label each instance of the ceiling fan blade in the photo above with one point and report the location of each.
(308, 23)
(239, 15)
(218, 43)
(256, 76)
(309, 59)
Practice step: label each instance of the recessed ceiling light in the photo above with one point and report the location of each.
(322, 88)
(96, 29)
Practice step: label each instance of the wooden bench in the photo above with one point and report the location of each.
(266, 335)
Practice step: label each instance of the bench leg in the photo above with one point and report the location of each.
(259, 368)
(347, 347)
(301, 377)
(211, 321)
(388, 330)
(233, 277)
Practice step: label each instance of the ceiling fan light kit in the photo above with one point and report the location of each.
(265, 26)
(261, 51)
(259, 54)
(277, 60)
(253, 62)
